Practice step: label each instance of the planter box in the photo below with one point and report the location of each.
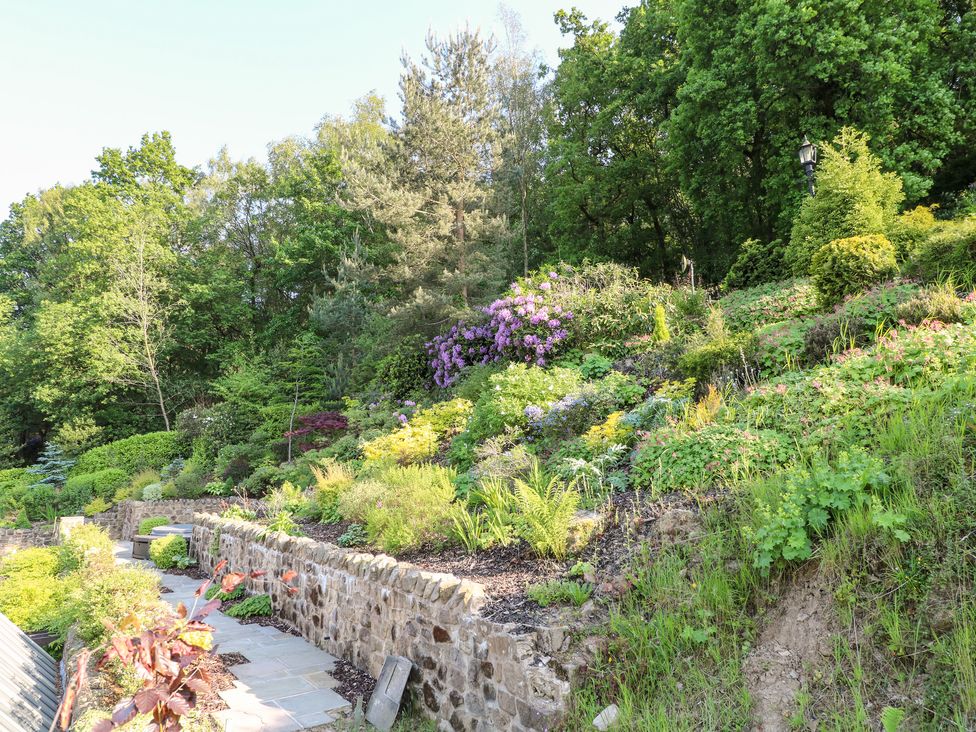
(140, 546)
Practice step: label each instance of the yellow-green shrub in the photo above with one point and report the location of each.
(332, 480)
(848, 266)
(95, 596)
(409, 444)
(414, 507)
(30, 592)
(359, 498)
(86, 545)
(166, 551)
(445, 418)
(611, 431)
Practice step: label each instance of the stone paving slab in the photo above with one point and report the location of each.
(284, 687)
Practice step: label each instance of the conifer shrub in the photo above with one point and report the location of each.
(846, 267)
(949, 250)
(756, 263)
(854, 198)
(167, 551)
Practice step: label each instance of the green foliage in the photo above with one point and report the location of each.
(757, 263)
(34, 562)
(332, 479)
(52, 466)
(545, 510)
(560, 592)
(165, 551)
(799, 504)
(152, 492)
(14, 483)
(282, 522)
(390, 501)
(100, 484)
(214, 591)
(949, 249)
(407, 370)
(254, 606)
(936, 302)
(131, 455)
(407, 445)
(512, 390)
(854, 199)
(355, 535)
(30, 592)
(661, 333)
(674, 459)
(87, 545)
(96, 599)
(595, 366)
(445, 418)
(147, 525)
(759, 306)
(96, 505)
(845, 267)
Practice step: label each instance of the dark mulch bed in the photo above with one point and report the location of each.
(233, 659)
(324, 532)
(191, 572)
(220, 679)
(505, 572)
(164, 590)
(353, 682)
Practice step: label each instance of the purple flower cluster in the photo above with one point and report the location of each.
(519, 327)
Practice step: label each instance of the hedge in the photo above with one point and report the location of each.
(131, 455)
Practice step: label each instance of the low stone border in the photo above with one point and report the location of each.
(13, 539)
(469, 672)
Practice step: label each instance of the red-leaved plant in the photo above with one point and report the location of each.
(166, 657)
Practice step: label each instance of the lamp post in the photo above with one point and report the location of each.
(808, 159)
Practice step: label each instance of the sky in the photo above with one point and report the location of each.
(81, 76)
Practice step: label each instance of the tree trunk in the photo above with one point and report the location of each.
(525, 233)
(459, 236)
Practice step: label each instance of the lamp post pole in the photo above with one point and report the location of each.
(808, 159)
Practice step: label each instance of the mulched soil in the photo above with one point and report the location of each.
(269, 620)
(233, 659)
(505, 572)
(164, 590)
(220, 679)
(353, 682)
(191, 572)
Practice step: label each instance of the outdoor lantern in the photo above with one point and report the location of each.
(808, 159)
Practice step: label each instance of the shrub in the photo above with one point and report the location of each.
(595, 366)
(407, 445)
(445, 418)
(100, 484)
(313, 428)
(545, 510)
(147, 525)
(282, 522)
(756, 264)
(661, 333)
(96, 505)
(131, 455)
(949, 249)
(849, 266)
(86, 545)
(910, 230)
(612, 431)
(153, 492)
(512, 390)
(30, 592)
(677, 460)
(34, 562)
(407, 370)
(263, 480)
(938, 302)
(830, 335)
(332, 479)
(747, 310)
(13, 487)
(412, 506)
(97, 598)
(854, 199)
(256, 606)
(355, 535)
(41, 503)
(165, 552)
(577, 411)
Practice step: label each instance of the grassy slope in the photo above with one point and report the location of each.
(905, 618)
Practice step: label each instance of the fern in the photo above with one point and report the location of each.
(891, 719)
(547, 509)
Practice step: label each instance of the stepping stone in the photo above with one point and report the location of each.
(321, 680)
(320, 700)
(273, 689)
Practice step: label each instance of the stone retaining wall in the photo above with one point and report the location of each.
(123, 519)
(470, 673)
(13, 539)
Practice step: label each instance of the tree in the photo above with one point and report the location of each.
(52, 467)
(522, 98)
(430, 190)
(138, 332)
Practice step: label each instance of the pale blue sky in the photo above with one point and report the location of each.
(80, 75)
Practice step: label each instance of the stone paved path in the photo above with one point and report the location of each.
(285, 687)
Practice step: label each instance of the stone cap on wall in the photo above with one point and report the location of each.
(379, 568)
